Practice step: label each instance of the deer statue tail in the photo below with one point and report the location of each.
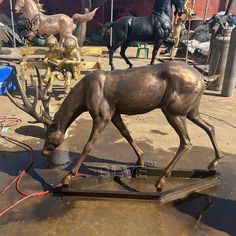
(84, 17)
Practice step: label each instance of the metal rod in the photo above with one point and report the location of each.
(231, 5)
(103, 10)
(187, 46)
(206, 9)
(12, 24)
(112, 6)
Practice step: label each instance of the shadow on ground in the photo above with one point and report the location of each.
(219, 215)
(191, 216)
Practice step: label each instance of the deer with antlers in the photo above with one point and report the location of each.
(174, 87)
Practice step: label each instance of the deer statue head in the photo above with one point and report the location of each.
(53, 136)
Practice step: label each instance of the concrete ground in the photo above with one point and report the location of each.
(53, 215)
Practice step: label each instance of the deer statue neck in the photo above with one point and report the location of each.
(30, 9)
(71, 108)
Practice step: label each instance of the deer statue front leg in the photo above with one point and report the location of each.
(100, 121)
(119, 124)
(98, 127)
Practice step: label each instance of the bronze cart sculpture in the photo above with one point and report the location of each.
(62, 64)
(153, 28)
(174, 87)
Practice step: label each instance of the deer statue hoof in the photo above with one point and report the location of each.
(66, 180)
(140, 163)
(160, 184)
(212, 166)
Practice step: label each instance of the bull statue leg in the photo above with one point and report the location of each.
(156, 47)
(169, 43)
(111, 52)
(122, 53)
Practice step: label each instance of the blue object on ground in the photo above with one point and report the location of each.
(7, 78)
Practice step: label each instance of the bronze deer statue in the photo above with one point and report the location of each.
(174, 87)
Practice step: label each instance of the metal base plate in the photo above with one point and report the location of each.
(200, 181)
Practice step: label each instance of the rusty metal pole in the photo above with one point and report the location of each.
(206, 10)
(12, 23)
(230, 69)
(230, 7)
(112, 6)
(81, 29)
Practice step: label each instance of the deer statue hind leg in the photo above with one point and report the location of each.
(179, 124)
(100, 120)
(196, 118)
(119, 124)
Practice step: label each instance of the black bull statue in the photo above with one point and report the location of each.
(153, 28)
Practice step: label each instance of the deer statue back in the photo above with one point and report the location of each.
(153, 28)
(50, 24)
(174, 87)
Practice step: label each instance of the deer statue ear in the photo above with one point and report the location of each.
(54, 126)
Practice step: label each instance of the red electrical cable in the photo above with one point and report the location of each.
(9, 122)
(13, 122)
(20, 176)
